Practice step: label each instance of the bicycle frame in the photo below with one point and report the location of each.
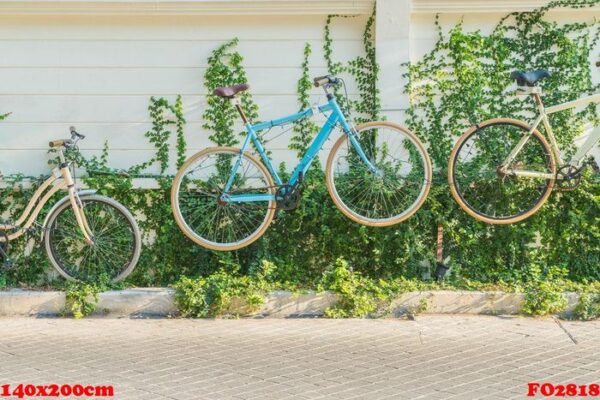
(542, 117)
(335, 117)
(60, 179)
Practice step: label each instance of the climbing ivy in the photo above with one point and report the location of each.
(363, 69)
(304, 129)
(466, 79)
(225, 69)
(463, 80)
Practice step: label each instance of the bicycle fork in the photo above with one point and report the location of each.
(75, 201)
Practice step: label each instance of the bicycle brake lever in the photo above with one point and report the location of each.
(75, 134)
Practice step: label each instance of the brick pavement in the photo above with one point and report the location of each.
(433, 357)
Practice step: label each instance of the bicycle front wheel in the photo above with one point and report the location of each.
(201, 212)
(389, 190)
(116, 241)
(493, 192)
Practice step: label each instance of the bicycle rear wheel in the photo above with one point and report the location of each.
(208, 220)
(481, 188)
(392, 193)
(117, 243)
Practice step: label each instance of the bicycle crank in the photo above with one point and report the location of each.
(7, 262)
(568, 178)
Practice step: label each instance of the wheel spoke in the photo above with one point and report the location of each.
(221, 224)
(114, 246)
(397, 187)
(482, 185)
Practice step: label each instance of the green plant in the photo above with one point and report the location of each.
(464, 79)
(223, 294)
(418, 308)
(588, 307)
(81, 298)
(363, 69)
(305, 129)
(225, 69)
(544, 292)
(356, 296)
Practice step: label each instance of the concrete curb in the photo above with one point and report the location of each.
(279, 304)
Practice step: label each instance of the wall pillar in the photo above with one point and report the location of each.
(392, 40)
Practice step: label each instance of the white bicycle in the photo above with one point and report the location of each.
(86, 235)
(503, 170)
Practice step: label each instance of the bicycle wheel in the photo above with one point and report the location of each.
(211, 222)
(392, 193)
(485, 192)
(116, 247)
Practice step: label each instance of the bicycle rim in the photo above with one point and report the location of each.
(479, 186)
(209, 221)
(391, 194)
(116, 246)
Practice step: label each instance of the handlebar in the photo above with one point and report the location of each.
(60, 143)
(75, 134)
(75, 137)
(325, 80)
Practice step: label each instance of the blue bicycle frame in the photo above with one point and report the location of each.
(336, 117)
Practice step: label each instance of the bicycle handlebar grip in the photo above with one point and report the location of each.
(56, 143)
(597, 63)
(321, 80)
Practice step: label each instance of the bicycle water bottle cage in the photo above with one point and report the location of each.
(529, 78)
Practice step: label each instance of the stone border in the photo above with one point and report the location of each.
(158, 302)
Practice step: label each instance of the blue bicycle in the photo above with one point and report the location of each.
(224, 198)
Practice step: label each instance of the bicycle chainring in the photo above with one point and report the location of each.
(568, 178)
(288, 197)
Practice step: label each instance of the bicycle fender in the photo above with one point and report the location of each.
(80, 193)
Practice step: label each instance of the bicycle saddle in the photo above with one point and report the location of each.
(230, 91)
(529, 78)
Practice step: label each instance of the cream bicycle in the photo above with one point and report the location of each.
(503, 170)
(86, 235)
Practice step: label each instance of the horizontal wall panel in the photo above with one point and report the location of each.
(115, 109)
(185, 7)
(140, 81)
(192, 28)
(120, 136)
(35, 162)
(156, 54)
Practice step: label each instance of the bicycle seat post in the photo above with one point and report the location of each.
(238, 106)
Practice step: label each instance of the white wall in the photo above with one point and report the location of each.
(98, 73)
(60, 67)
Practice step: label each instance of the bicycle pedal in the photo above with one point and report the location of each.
(440, 271)
(595, 167)
(8, 264)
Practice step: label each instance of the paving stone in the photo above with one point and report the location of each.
(435, 357)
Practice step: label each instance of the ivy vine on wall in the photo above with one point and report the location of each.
(225, 69)
(463, 80)
(304, 129)
(466, 79)
(363, 69)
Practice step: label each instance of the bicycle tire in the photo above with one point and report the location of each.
(66, 268)
(460, 197)
(351, 211)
